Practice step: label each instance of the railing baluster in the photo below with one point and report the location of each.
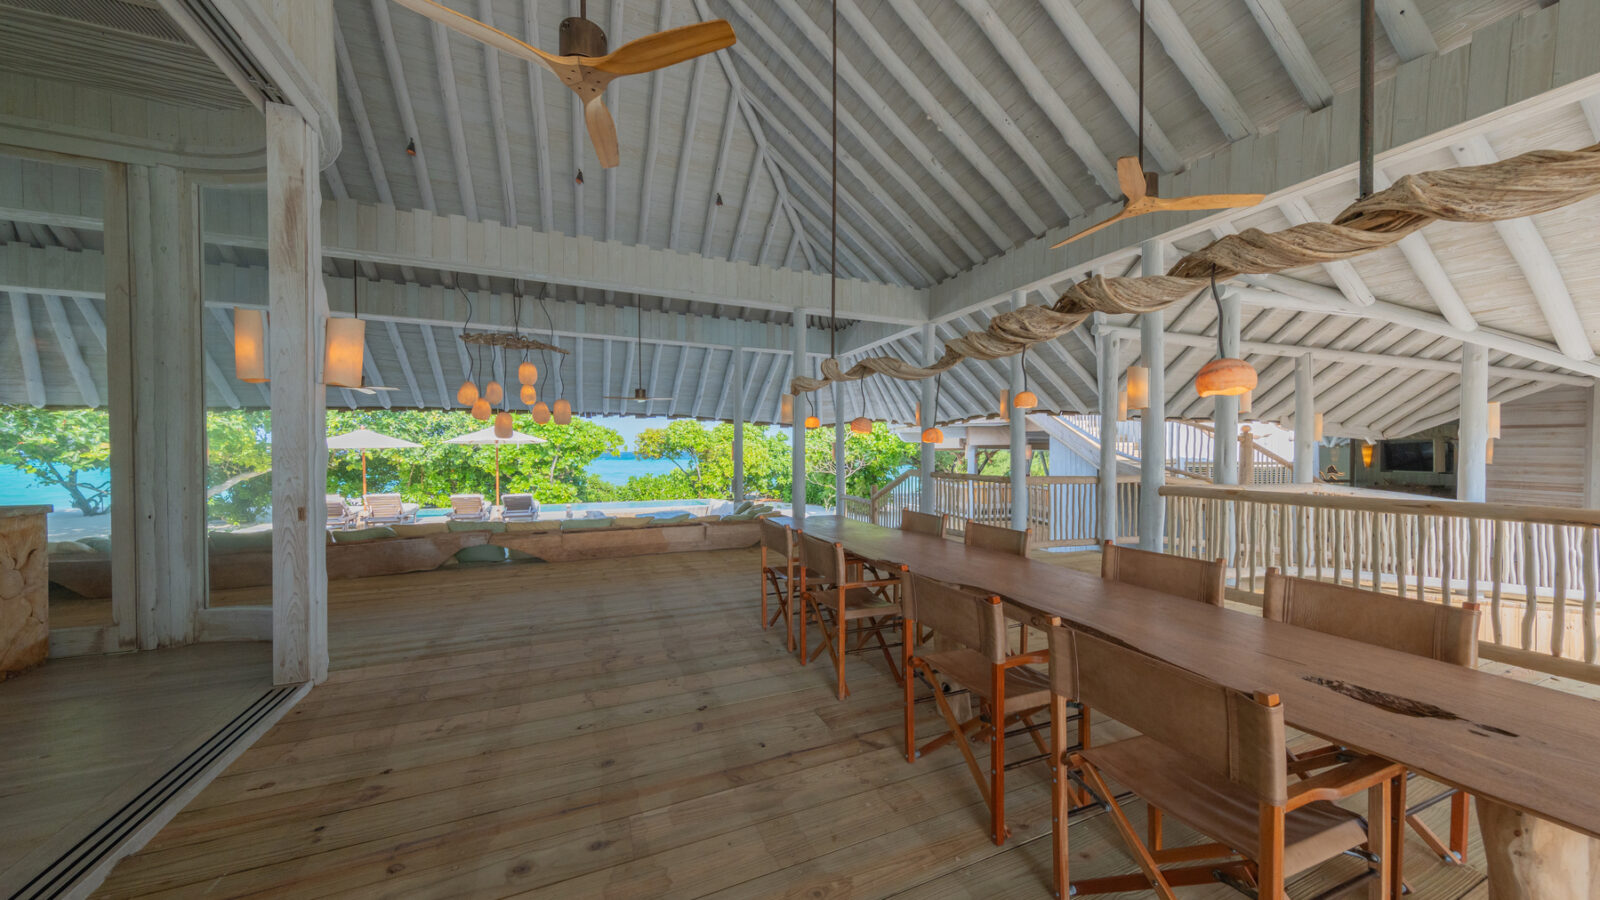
(1400, 554)
(1530, 606)
(1590, 577)
(1446, 556)
(1497, 569)
(1474, 557)
(1558, 606)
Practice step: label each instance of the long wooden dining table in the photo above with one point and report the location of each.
(1531, 748)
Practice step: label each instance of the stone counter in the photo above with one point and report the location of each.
(24, 589)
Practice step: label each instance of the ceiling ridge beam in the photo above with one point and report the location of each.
(1538, 264)
(1045, 95)
(985, 103)
(854, 127)
(1292, 51)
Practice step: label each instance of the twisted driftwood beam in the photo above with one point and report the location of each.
(1525, 185)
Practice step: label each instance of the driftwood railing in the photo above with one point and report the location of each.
(885, 504)
(1062, 510)
(1532, 568)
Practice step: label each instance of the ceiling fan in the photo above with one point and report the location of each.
(1139, 187)
(639, 395)
(584, 65)
(370, 389)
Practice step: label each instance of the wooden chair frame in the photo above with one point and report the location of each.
(992, 718)
(825, 586)
(778, 581)
(1457, 644)
(1262, 868)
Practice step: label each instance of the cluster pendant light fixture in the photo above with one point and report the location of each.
(481, 404)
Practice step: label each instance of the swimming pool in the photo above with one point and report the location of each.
(550, 510)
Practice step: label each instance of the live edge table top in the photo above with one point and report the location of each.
(1528, 747)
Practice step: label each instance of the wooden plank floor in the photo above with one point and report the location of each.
(606, 729)
(78, 737)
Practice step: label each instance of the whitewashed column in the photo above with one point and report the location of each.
(1019, 437)
(930, 416)
(1107, 351)
(168, 379)
(738, 424)
(297, 306)
(1225, 410)
(797, 441)
(1591, 456)
(1472, 467)
(1153, 424)
(1305, 422)
(838, 448)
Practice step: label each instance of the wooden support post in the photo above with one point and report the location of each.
(838, 448)
(738, 424)
(168, 375)
(1225, 410)
(1528, 858)
(1019, 437)
(1472, 473)
(1107, 351)
(797, 440)
(1153, 422)
(298, 307)
(1305, 422)
(930, 417)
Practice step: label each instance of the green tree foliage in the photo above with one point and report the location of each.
(871, 461)
(238, 465)
(703, 458)
(68, 449)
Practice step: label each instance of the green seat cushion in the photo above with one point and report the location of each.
(421, 529)
(363, 535)
(66, 548)
(493, 527)
(631, 522)
(588, 524)
(99, 545)
(532, 527)
(481, 553)
(240, 542)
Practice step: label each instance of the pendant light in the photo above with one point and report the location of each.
(786, 409)
(481, 410)
(502, 425)
(932, 434)
(493, 393)
(1494, 419)
(1366, 453)
(1025, 398)
(541, 413)
(561, 413)
(529, 394)
(1316, 427)
(1226, 376)
(249, 345)
(1245, 400)
(1138, 387)
(1005, 405)
(528, 373)
(467, 394)
(345, 347)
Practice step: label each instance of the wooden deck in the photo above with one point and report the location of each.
(622, 729)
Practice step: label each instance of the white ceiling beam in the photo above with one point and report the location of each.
(374, 377)
(950, 62)
(27, 349)
(691, 118)
(1181, 48)
(1299, 212)
(873, 144)
(97, 325)
(1426, 266)
(497, 120)
(700, 383)
(81, 376)
(1124, 95)
(402, 100)
(904, 221)
(775, 362)
(1292, 51)
(881, 50)
(1538, 265)
(1499, 393)
(747, 205)
(1408, 31)
(358, 112)
(536, 74)
(727, 384)
(855, 251)
(614, 99)
(605, 375)
(1045, 95)
(730, 118)
(446, 399)
(652, 141)
(677, 381)
(655, 376)
(219, 381)
(404, 359)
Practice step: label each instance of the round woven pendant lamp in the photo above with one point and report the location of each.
(1225, 378)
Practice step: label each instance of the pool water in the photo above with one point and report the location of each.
(580, 507)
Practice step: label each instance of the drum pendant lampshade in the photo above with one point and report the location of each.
(493, 393)
(1138, 387)
(1316, 427)
(502, 425)
(467, 394)
(932, 435)
(527, 373)
(249, 345)
(1244, 401)
(861, 425)
(786, 409)
(541, 413)
(1494, 419)
(1488, 452)
(562, 412)
(1025, 400)
(1005, 406)
(1122, 405)
(1225, 378)
(345, 351)
(529, 393)
(813, 422)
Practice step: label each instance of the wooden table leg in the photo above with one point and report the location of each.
(1528, 858)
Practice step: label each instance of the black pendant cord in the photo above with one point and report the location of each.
(833, 227)
(472, 363)
(638, 337)
(1369, 62)
(1217, 298)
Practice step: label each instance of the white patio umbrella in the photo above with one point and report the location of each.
(487, 436)
(365, 439)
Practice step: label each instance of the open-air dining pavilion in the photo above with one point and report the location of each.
(1241, 355)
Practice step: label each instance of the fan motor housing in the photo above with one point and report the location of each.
(581, 37)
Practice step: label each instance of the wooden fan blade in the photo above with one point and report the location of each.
(665, 48)
(488, 34)
(1130, 177)
(1126, 213)
(602, 131)
(1206, 201)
